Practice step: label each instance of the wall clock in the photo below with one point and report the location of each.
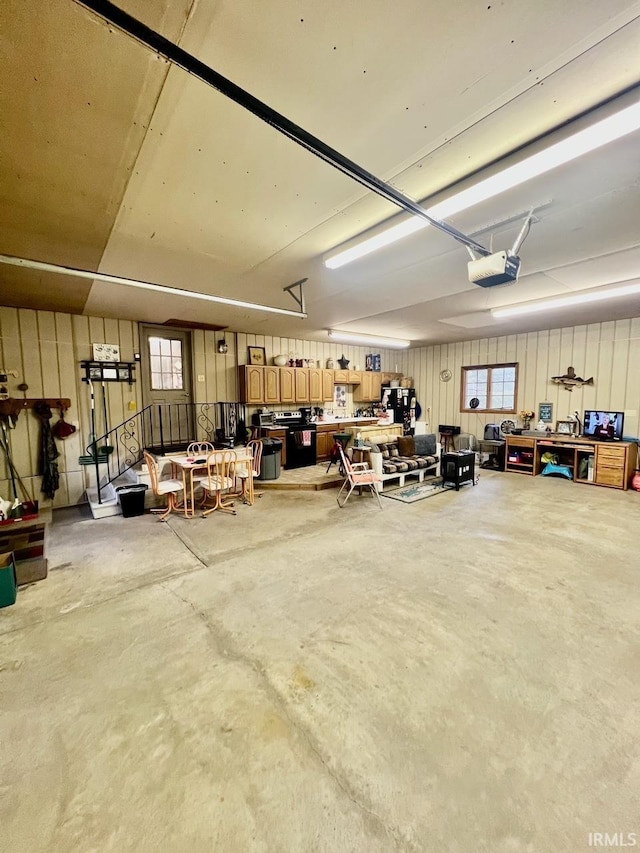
(445, 375)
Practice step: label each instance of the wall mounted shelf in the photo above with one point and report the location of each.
(108, 371)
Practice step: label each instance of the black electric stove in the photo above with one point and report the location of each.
(301, 437)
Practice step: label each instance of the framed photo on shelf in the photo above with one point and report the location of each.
(565, 427)
(258, 356)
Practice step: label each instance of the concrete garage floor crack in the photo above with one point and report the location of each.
(227, 649)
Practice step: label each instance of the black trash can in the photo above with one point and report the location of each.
(132, 499)
(271, 454)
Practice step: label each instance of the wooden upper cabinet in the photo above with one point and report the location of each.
(271, 384)
(327, 385)
(301, 384)
(252, 384)
(376, 387)
(341, 377)
(363, 390)
(315, 385)
(354, 377)
(287, 385)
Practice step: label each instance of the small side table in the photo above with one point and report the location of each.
(458, 468)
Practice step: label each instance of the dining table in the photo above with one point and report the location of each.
(185, 466)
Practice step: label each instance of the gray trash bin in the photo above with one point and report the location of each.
(271, 455)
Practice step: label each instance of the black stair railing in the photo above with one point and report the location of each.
(161, 428)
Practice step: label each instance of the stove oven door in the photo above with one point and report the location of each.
(301, 446)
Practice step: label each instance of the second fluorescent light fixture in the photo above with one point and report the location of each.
(582, 298)
(606, 130)
(355, 338)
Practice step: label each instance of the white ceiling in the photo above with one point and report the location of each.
(116, 161)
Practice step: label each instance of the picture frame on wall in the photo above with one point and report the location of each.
(545, 412)
(106, 352)
(257, 356)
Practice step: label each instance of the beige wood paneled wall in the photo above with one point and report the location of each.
(45, 349)
(610, 352)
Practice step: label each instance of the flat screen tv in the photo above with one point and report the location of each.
(603, 425)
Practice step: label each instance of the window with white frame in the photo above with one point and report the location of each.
(489, 388)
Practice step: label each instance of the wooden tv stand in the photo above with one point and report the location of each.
(598, 463)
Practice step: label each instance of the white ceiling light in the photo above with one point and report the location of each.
(355, 338)
(606, 130)
(566, 301)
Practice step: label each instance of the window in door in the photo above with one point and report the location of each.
(489, 388)
(165, 359)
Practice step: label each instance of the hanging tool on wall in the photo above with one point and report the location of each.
(48, 451)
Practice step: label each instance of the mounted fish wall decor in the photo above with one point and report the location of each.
(569, 380)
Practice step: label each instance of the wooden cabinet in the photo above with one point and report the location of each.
(370, 388)
(271, 384)
(610, 468)
(324, 442)
(251, 384)
(327, 385)
(341, 377)
(520, 454)
(376, 386)
(287, 385)
(595, 463)
(387, 377)
(354, 377)
(302, 384)
(363, 391)
(315, 385)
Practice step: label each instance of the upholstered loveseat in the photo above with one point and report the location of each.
(396, 457)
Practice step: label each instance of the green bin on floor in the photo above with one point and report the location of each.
(8, 583)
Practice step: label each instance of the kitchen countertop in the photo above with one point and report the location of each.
(332, 422)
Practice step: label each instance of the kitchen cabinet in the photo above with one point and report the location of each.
(387, 378)
(327, 385)
(271, 384)
(354, 377)
(340, 377)
(287, 385)
(251, 384)
(302, 384)
(376, 387)
(324, 442)
(370, 388)
(315, 385)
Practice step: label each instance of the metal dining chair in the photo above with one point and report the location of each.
(357, 475)
(221, 472)
(256, 466)
(200, 448)
(160, 488)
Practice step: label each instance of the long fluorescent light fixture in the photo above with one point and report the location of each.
(144, 285)
(355, 338)
(607, 130)
(566, 301)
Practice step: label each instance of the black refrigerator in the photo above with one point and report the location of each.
(402, 402)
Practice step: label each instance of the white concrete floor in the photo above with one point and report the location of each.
(458, 674)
